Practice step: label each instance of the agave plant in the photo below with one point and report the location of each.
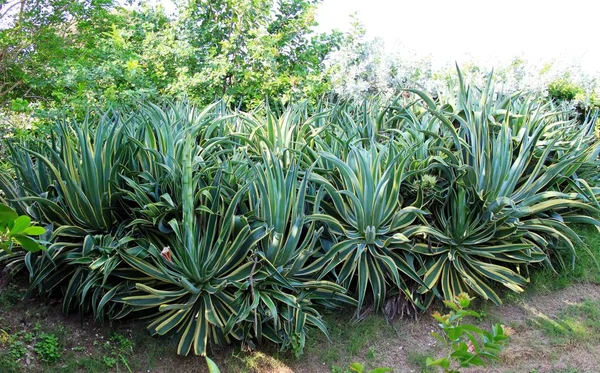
(152, 165)
(71, 185)
(71, 181)
(286, 295)
(196, 280)
(468, 247)
(361, 205)
(83, 270)
(504, 210)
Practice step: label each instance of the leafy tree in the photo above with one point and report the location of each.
(90, 54)
(246, 50)
(34, 34)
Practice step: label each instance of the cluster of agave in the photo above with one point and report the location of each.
(217, 225)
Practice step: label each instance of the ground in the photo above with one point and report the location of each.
(557, 331)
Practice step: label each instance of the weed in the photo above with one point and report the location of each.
(419, 359)
(576, 324)
(118, 349)
(467, 345)
(48, 348)
(17, 348)
(109, 361)
(371, 353)
(337, 369)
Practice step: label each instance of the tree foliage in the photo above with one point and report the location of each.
(92, 53)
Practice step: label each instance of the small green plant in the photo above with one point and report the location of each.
(19, 105)
(467, 344)
(16, 230)
(360, 368)
(118, 348)
(48, 348)
(371, 353)
(109, 361)
(17, 348)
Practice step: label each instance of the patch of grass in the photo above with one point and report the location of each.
(348, 338)
(566, 370)
(363, 333)
(8, 364)
(89, 364)
(576, 324)
(154, 349)
(417, 359)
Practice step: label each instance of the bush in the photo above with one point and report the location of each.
(564, 90)
(223, 226)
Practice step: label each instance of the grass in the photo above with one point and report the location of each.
(10, 295)
(350, 340)
(8, 364)
(417, 359)
(577, 324)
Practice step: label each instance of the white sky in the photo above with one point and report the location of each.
(487, 31)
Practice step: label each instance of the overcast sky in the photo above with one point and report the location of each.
(450, 30)
(491, 32)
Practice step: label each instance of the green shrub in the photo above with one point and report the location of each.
(563, 89)
(16, 232)
(220, 226)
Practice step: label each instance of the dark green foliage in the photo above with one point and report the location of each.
(83, 56)
(220, 226)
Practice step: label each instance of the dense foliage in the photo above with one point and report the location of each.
(222, 225)
(85, 56)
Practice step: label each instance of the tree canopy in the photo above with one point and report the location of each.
(94, 53)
